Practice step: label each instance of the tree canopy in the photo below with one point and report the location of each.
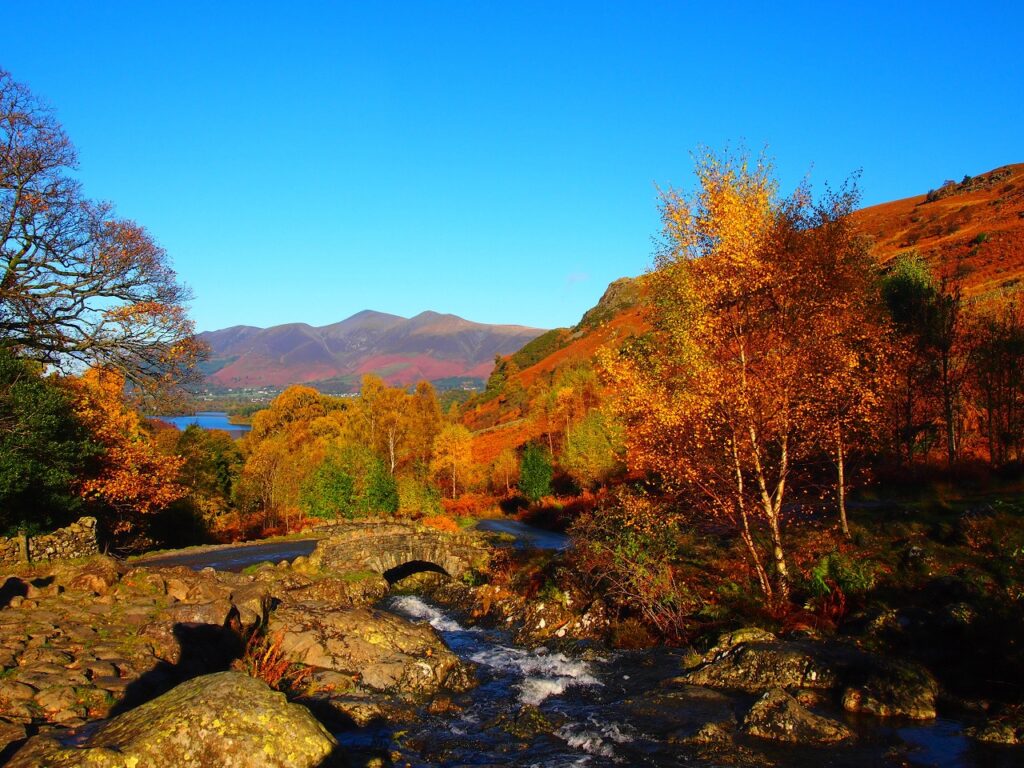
(79, 286)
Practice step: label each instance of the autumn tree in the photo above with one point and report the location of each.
(296, 407)
(424, 423)
(851, 362)
(79, 286)
(505, 470)
(927, 312)
(453, 455)
(134, 478)
(997, 379)
(288, 441)
(722, 400)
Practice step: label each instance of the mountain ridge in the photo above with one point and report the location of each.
(430, 345)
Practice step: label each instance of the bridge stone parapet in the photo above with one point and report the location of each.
(388, 548)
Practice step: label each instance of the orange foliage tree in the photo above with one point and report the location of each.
(453, 455)
(135, 478)
(727, 394)
(287, 442)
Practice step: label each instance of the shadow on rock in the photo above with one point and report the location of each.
(205, 648)
(17, 587)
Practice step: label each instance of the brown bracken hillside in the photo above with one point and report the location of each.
(976, 224)
(973, 228)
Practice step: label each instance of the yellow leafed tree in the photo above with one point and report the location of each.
(749, 303)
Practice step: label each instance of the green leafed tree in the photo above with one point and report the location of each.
(381, 490)
(44, 450)
(593, 448)
(330, 491)
(535, 473)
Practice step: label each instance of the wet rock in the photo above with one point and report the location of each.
(779, 717)
(758, 666)
(528, 723)
(227, 719)
(730, 640)
(711, 733)
(443, 705)
(385, 651)
(1006, 729)
(870, 684)
(894, 689)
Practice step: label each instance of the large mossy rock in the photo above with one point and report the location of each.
(893, 689)
(226, 719)
(383, 651)
(754, 662)
(779, 717)
(764, 664)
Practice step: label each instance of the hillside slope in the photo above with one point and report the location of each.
(974, 227)
(976, 224)
(428, 346)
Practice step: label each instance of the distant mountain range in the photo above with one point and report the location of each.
(431, 346)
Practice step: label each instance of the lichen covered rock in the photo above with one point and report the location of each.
(226, 719)
(761, 665)
(780, 717)
(385, 652)
(894, 689)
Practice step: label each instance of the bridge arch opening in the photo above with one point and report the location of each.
(410, 568)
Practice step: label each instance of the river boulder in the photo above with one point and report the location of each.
(758, 666)
(228, 719)
(893, 689)
(780, 717)
(866, 682)
(384, 652)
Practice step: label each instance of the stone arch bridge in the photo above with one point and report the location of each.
(396, 550)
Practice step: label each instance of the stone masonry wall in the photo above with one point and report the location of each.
(77, 540)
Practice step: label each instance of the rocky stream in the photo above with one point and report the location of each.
(107, 664)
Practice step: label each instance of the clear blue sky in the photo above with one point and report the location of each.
(304, 161)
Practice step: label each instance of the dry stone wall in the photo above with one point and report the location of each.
(77, 540)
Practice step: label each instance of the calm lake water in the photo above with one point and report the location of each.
(208, 420)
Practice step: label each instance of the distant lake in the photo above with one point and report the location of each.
(208, 420)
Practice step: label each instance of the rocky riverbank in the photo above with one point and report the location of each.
(105, 663)
(82, 643)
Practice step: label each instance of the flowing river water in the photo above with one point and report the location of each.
(594, 707)
(591, 706)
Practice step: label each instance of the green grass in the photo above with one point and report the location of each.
(251, 569)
